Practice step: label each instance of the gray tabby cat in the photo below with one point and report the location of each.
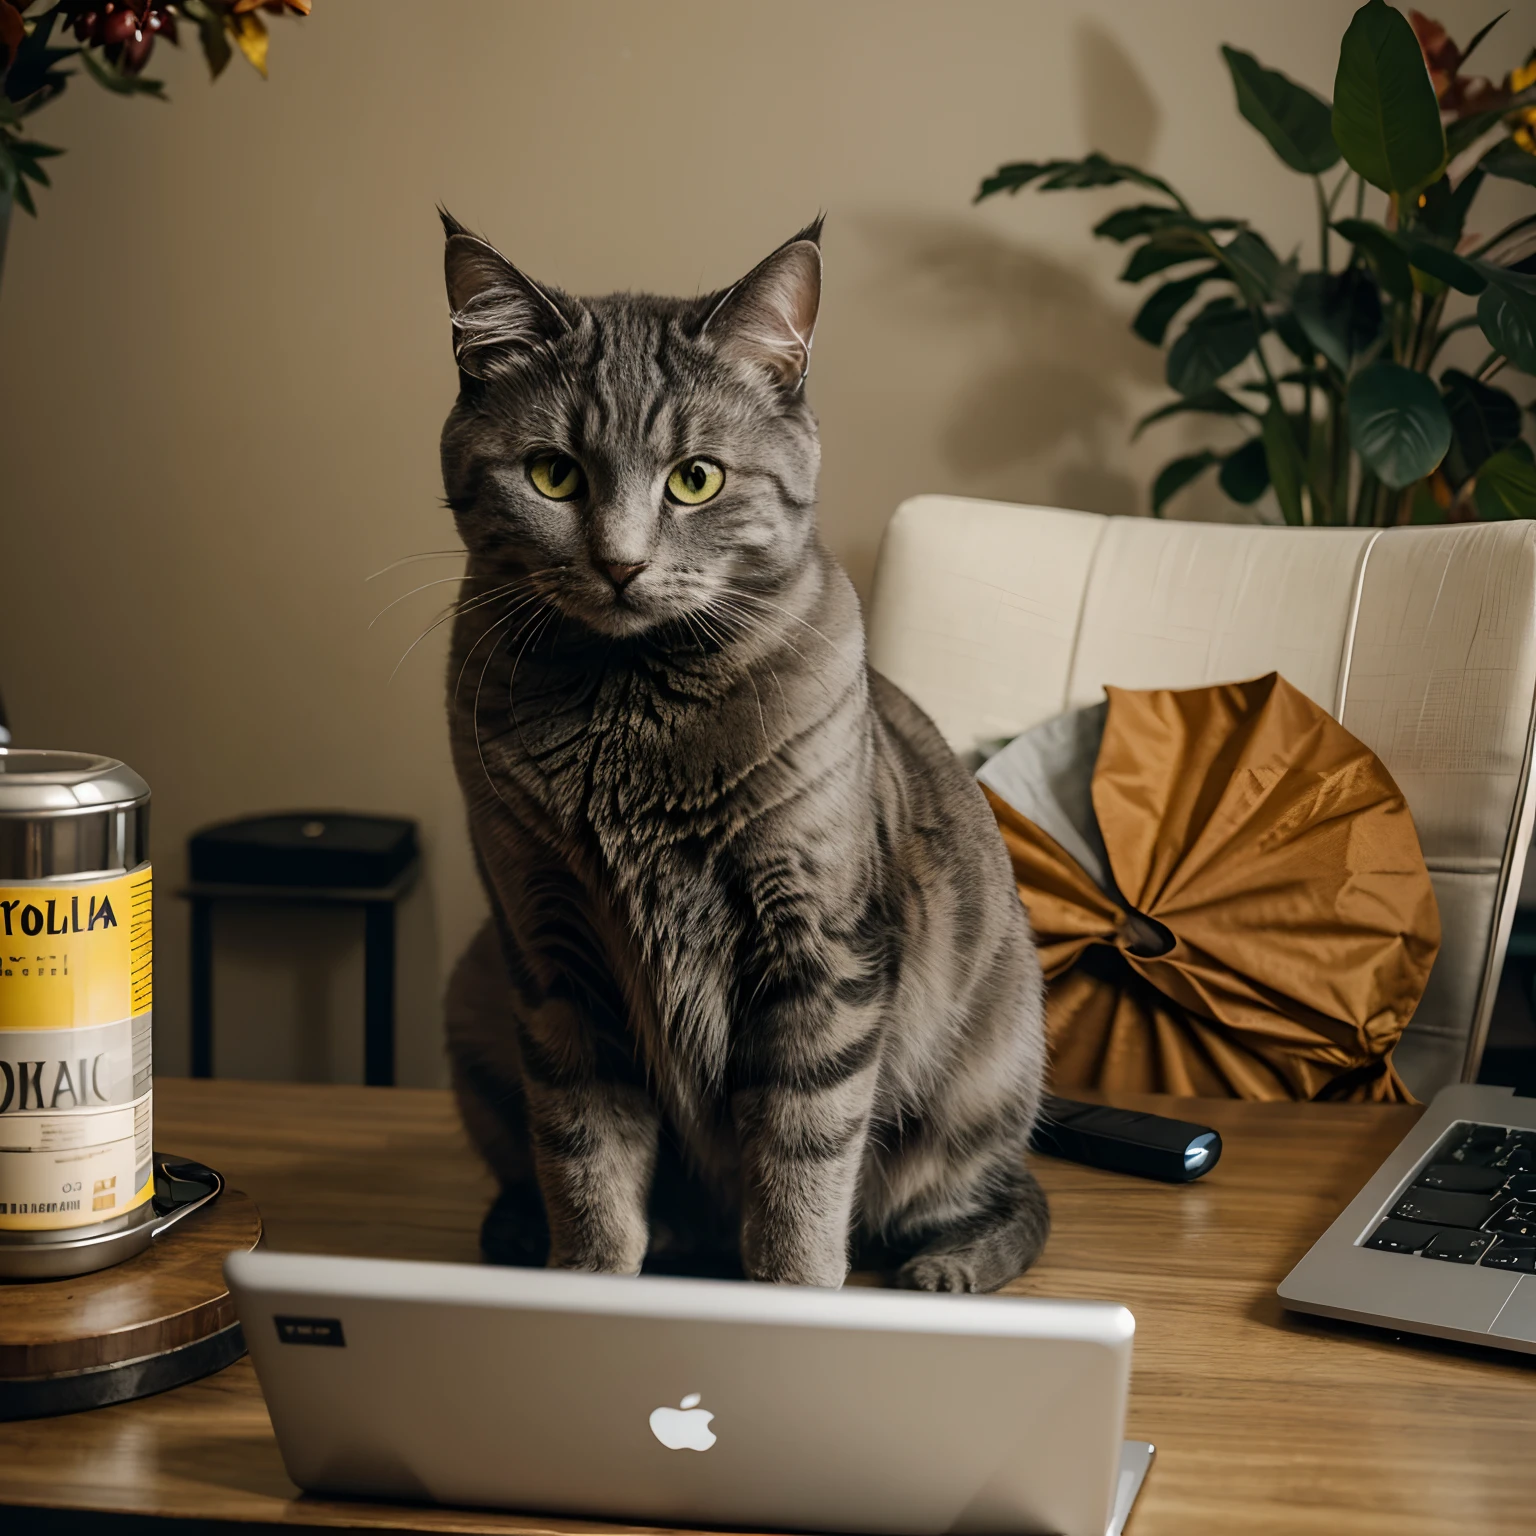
(756, 974)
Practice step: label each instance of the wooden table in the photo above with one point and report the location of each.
(1264, 1422)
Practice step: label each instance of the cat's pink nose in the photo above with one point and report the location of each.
(620, 575)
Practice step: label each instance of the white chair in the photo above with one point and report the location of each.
(1421, 641)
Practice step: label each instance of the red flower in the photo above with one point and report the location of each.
(11, 32)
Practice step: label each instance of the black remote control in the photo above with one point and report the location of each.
(1149, 1146)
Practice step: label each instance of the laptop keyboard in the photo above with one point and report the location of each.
(1473, 1201)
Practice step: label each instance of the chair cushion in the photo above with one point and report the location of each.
(1227, 892)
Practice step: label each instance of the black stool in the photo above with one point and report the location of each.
(312, 858)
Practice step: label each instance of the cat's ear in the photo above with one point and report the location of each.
(496, 310)
(769, 317)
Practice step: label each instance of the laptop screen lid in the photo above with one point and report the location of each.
(692, 1401)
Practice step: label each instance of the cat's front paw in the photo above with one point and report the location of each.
(594, 1267)
(828, 1272)
(598, 1258)
(937, 1272)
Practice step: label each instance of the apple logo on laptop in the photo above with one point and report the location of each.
(684, 1428)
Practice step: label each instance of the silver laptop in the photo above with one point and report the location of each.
(1442, 1240)
(693, 1401)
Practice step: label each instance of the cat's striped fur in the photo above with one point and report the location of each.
(752, 922)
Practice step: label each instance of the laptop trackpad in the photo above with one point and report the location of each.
(1518, 1319)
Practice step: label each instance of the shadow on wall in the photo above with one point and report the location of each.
(1033, 377)
(1115, 105)
(1033, 374)
(1042, 409)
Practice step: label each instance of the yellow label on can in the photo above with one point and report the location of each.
(76, 995)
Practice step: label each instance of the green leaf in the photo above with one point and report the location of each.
(1172, 478)
(1153, 318)
(1161, 252)
(113, 79)
(1179, 238)
(1424, 508)
(1210, 402)
(1147, 218)
(1484, 420)
(1297, 123)
(25, 159)
(1478, 36)
(34, 76)
(1245, 472)
(1210, 346)
(1340, 314)
(1443, 214)
(1287, 467)
(1385, 255)
(23, 195)
(34, 170)
(210, 35)
(1507, 314)
(1288, 329)
(1398, 423)
(1254, 266)
(1439, 262)
(1214, 343)
(1385, 116)
(1508, 160)
(1506, 487)
(1093, 170)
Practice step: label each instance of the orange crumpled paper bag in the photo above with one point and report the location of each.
(1273, 923)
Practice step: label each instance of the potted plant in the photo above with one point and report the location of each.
(1334, 369)
(113, 40)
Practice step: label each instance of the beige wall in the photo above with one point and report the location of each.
(226, 362)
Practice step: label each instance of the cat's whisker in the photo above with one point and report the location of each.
(762, 718)
(474, 714)
(426, 554)
(747, 622)
(474, 723)
(521, 584)
(773, 672)
(757, 597)
(712, 634)
(517, 724)
(505, 619)
(452, 611)
(719, 623)
(789, 645)
(461, 605)
(517, 607)
(440, 582)
(696, 631)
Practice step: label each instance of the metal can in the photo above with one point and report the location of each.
(76, 992)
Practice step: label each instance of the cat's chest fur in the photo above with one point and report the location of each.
(685, 801)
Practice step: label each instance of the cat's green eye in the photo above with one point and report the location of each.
(557, 476)
(695, 481)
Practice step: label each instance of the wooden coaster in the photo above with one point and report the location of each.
(155, 1321)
